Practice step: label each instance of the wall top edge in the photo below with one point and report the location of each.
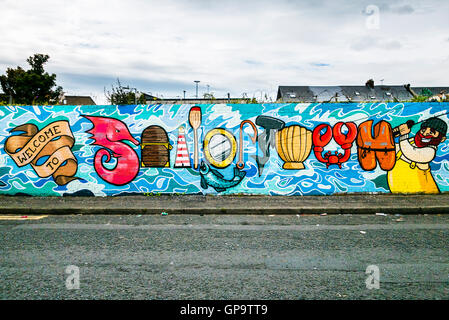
(234, 104)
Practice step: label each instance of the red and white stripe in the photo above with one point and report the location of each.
(182, 153)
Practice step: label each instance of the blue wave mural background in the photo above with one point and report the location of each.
(315, 179)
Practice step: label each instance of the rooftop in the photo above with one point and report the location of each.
(350, 93)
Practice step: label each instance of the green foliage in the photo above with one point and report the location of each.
(209, 96)
(121, 95)
(33, 86)
(3, 99)
(426, 93)
(420, 99)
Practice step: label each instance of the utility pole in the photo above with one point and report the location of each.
(197, 81)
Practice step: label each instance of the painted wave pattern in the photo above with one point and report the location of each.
(315, 179)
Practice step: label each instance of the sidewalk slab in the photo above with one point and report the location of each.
(195, 204)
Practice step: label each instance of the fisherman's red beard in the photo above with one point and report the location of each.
(433, 141)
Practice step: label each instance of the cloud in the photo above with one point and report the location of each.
(233, 46)
(320, 64)
(253, 62)
(395, 9)
(368, 43)
(406, 9)
(392, 45)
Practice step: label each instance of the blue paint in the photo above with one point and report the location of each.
(315, 179)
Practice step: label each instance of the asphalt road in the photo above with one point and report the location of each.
(225, 257)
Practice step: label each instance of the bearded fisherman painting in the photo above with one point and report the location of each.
(412, 173)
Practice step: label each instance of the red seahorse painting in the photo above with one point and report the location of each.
(111, 133)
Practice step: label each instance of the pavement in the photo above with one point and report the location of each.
(195, 204)
(220, 257)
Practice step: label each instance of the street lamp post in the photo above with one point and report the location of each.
(197, 81)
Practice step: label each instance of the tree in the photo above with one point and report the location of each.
(3, 99)
(209, 96)
(370, 84)
(123, 95)
(33, 86)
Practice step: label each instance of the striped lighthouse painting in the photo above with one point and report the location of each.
(182, 153)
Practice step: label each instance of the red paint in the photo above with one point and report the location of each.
(344, 140)
(111, 134)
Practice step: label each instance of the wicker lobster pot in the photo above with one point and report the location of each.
(155, 148)
(294, 144)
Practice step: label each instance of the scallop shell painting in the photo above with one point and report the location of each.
(294, 144)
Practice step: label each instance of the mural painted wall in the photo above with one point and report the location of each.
(271, 149)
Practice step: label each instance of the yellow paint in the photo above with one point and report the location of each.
(22, 217)
(294, 144)
(226, 162)
(407, 178)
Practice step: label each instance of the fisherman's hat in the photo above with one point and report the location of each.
(437, 124)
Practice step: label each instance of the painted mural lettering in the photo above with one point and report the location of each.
(195, 119)
(220, 148)
(48, 150)
(182, 152)
(294, 144)
(412, 172)
(240, 163)
(376, 148)
(155, 148)
(111, 133)
(267, 139)
(213, 178)
(39, 156)
(344, 140)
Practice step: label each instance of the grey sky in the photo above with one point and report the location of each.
(234, 46)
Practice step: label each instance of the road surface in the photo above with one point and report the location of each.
(224, 257)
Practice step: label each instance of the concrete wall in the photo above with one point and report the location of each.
(271, 149)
